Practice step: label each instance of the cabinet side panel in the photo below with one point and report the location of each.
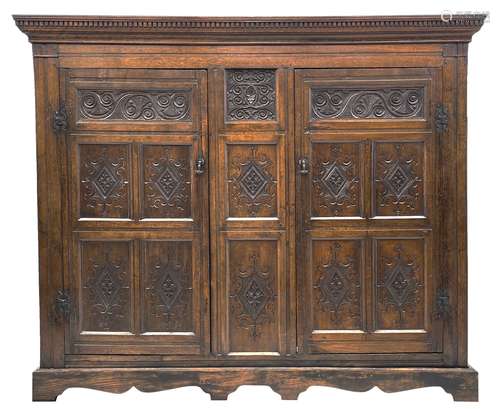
(49, 213)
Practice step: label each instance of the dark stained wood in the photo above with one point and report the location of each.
(229, 201)
(461, 383)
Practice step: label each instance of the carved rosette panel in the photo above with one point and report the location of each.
(253, 296)
(252, 180)
(250, 95)
(399, 179)
(106, 292)
(400, 284)
(337, 285)
(336, 170)
(104, 181)
(167, 181)
(354, 103)
(168, 287)
(131, 105)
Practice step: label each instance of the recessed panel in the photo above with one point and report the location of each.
(253, 283)
(336, 180)
(252, 180)
(167, 287)
(337, 285)
(399, 178)
(106, 286)
(166, 181)
(400, 283)
(104, 181)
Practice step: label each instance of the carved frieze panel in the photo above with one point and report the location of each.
(106, 286)
(104, 181)
(366, 103)
(166, 282)
(134, 105)
(336, 179)
(252, 180)
(167, 181)
(253, 292)
(337, 302)
(250, 95)
(399, 178)
(400, 266)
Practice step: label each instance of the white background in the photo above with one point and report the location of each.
(18, 240)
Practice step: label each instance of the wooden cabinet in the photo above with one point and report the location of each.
(276, 201)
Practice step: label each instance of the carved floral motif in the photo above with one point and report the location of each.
(250, 95)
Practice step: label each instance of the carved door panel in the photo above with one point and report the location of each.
(249, 215)
(137, 233)
(367, 271)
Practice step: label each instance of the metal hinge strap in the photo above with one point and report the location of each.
(441, 119)
(62, 304)
(442, 304)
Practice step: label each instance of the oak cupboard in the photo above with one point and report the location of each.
(270, 201)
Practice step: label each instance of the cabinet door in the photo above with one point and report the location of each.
(136, 221)
(367, 268)
(249, 217)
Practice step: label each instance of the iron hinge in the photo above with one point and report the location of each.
(62, 304)
(60, 119)
(441, 119)
(442, 304)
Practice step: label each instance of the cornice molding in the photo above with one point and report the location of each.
(164, 30)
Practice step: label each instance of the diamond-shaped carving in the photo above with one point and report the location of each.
(398, 179)
(168, 182)
(107, 286)
(333, 285)
(170, 290)
(398, 284)
(105, 181)
(254, 297)
(335, 180)
(253, 181)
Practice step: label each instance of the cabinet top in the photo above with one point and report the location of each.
(249, 30)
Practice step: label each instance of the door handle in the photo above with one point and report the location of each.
(303, 166)
(199, 165)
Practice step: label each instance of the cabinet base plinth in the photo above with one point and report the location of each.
(288, 382)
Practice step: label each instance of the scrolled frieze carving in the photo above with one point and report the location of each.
(338, 103)
(163, 105)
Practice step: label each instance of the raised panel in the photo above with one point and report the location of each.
(337, 285)
(106, 287)
(104, 181)
(336, 179)
(252, 180)
(167, 287)
(400, 284)
(399, 178)
(166, 184)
